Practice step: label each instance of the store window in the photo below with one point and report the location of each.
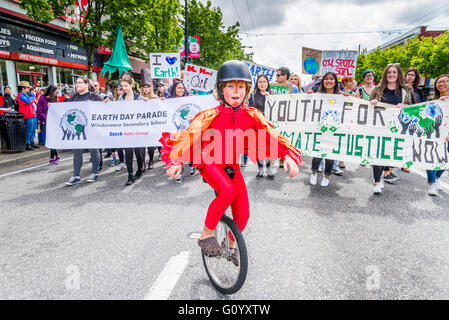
(3, 77)
(35, 74)
(66, 78)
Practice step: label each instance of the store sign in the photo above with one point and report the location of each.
(23, 40)
(104, 50)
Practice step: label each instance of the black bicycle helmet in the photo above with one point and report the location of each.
(234, 70)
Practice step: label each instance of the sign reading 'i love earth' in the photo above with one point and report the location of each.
(165, 65)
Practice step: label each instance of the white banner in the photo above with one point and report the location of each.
(120, 124)
(350, 129)
(165, 65)
(199, 78)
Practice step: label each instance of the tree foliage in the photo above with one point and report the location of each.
(218, 44)
(148, 26)
(429, 55)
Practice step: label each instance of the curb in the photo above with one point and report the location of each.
(25, 158)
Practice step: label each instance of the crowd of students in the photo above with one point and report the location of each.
(394, 88)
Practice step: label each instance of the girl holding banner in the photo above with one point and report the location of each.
(83, 94)
(391, 90)
(441, 92)
(178, 90)
(147, 93)
(127, 84)
(329, 85)
(257, 100)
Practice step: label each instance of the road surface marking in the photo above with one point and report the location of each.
(168, 278)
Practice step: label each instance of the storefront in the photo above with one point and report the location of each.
(32, 52)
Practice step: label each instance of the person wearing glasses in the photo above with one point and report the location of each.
(83, 94)
(441, 92)
(392, 90)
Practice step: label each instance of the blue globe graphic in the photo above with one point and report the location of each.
(311, 65)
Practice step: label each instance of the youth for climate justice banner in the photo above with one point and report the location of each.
(257, 69)
(165, 65)
(199, 78)
(120, 124)
(350, 129)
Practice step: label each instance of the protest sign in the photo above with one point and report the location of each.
(278, 88)
(165, 65)
(311, 60)
(342, 63)
(199, 78)
(120, 124)
(350, 129)
(257, 69)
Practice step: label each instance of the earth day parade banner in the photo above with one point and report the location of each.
(120, 124)
(350, 129)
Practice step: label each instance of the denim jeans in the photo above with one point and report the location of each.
(432, 175)
(31, 126)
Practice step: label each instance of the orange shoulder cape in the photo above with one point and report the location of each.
(177, 146)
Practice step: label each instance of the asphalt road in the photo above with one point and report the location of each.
(108, 241)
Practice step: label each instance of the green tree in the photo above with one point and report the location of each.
(218, 44)
(429, 55)
(148, 26)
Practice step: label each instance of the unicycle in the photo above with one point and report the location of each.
(227, 276)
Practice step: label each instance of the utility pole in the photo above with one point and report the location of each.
(186, 39)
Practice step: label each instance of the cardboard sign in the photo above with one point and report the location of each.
(278, 88)
(199, 78)
(165, 65)
(342, 63)
(257, 69)
(311, 61)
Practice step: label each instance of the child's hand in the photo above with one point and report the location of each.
(290, 164)
(174, 171)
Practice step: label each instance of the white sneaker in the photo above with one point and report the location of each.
(313, 179)
(432, 191)
(437, 183)
(325, 182)
(381, 183)
(120, 167)
(377, 189)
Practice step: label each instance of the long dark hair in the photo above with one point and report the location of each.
(259, 98)
(399, 83)
(173, 89)
(322, 89)
(417, 78)
(50, 93)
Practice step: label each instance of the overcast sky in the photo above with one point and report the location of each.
(321, 16)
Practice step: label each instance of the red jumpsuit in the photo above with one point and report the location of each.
(229, 192)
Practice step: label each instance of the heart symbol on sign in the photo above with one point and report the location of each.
(171, 60)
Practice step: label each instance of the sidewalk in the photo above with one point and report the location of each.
(13, 159)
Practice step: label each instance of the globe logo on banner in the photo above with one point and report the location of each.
(184, 114)
(73, 124)
(311, 65)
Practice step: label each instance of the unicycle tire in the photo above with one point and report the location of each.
(241, 271)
